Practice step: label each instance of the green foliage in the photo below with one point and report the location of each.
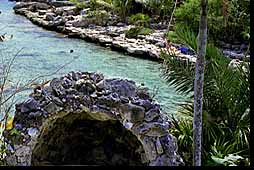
(163, 8)
(226, 99)
(172, 37)
(139, 19)
(101, 4)
(96, 17)
(189, 14)
(222, 153)
(145, 31)
(2, 155)
(239, 18)
(230, 160)
(183, 131)
(134, 32)
(79, 4)
(108, 1)
(122, 7)
(181, 73)
(223, 24)
(98, 14)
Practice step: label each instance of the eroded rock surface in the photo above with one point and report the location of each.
(53, 125)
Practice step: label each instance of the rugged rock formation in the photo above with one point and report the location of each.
(83, 118)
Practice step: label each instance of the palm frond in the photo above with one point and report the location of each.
(186, 36)
(226, 98)
(178, 73)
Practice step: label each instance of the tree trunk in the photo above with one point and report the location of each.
(171, 17)
(198, 84)
(224, 11)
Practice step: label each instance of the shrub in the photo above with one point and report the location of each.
(98, 14)
(122, 7)
(79, 4)
(96, 17)
(172, 37)
(226, 22)
(100, 4)
(162, 8)
(182, 130)
(139, 19)
(145, 31)
(134, 32)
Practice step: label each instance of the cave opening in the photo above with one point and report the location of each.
(87, 142)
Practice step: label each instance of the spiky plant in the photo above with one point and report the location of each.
(226, 99)
(122, 7)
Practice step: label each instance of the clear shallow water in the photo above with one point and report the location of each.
(45, 51)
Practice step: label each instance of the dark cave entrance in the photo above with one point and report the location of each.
(87, 142)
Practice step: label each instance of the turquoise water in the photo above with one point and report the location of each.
(43, 52)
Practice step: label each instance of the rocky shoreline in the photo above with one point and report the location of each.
(64, 19)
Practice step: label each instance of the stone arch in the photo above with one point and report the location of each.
(121, 110)
(83, 140)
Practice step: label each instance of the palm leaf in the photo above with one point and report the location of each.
(225, 101)
(178, 73)
(186, 37)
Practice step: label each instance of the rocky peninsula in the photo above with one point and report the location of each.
(64, 17)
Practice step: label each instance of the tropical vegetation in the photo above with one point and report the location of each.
(226, 104)
(228, 21)
(226, 84)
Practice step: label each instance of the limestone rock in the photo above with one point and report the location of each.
(151, 114)
(56, 83)
(169, 144)
(111, 100)
(124, 88)
(11, 160)
(21, 151)
(32, 131)
(162, 160)
(20, 5)
(86, 87)
(35, 114)
(39, 6)
(133, 113)
(30, 105)
(61, 3)
(42, 12)
(59, 11)
(159, 147)
(149, 147)
(144, 103)
(81, 98)
(151, 129)
(52, 108)
(50, 17)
